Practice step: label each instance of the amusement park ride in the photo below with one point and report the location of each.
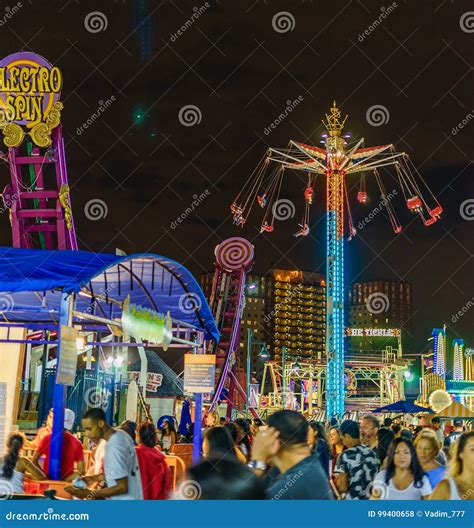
(336, 162)
(234, 259)
(37, 196)
(438, 390)
(38, 201)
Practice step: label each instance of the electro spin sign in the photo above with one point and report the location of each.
(30, 88)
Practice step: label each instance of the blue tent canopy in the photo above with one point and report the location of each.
(402, 407)
(31, 282)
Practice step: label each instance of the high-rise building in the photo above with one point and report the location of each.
(284, 308)
(299, 313)
(379, 304)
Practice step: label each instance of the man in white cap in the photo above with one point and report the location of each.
(72, 453)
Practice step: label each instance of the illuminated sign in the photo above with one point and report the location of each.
(153, 380)
(30, 88)
(199, 372)
(373, 332)
(439, 400)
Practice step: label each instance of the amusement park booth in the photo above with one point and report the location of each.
(81, 306)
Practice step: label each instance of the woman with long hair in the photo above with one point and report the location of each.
(403, 477)
(217, 443)
(336, 447)
(319, 444)
(168, 436)
(385, 437)
(155, 473)
(232, 429)
(14, 466)
(427, 449)
(460, 481)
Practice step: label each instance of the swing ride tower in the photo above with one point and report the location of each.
(335, 163)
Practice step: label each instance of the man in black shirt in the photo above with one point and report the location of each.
(284, 443)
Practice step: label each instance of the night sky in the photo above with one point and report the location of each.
(240, 73)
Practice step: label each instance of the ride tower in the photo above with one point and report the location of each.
(340, 158)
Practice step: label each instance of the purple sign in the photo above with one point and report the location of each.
(29, 87)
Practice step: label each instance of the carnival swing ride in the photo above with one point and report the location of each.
(341, 157)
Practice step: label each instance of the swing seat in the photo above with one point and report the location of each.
(362, 197)
(430, 221)
(397, 229)
(308, 195)
(435, 212)
(266, 228)
(414, 203)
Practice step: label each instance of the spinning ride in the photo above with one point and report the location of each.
(336, 162)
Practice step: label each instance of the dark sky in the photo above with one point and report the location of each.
(239, 72)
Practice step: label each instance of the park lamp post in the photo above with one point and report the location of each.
(264, 355)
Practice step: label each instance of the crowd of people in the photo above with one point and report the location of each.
(286, 458)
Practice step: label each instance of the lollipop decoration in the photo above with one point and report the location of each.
(234, 254)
